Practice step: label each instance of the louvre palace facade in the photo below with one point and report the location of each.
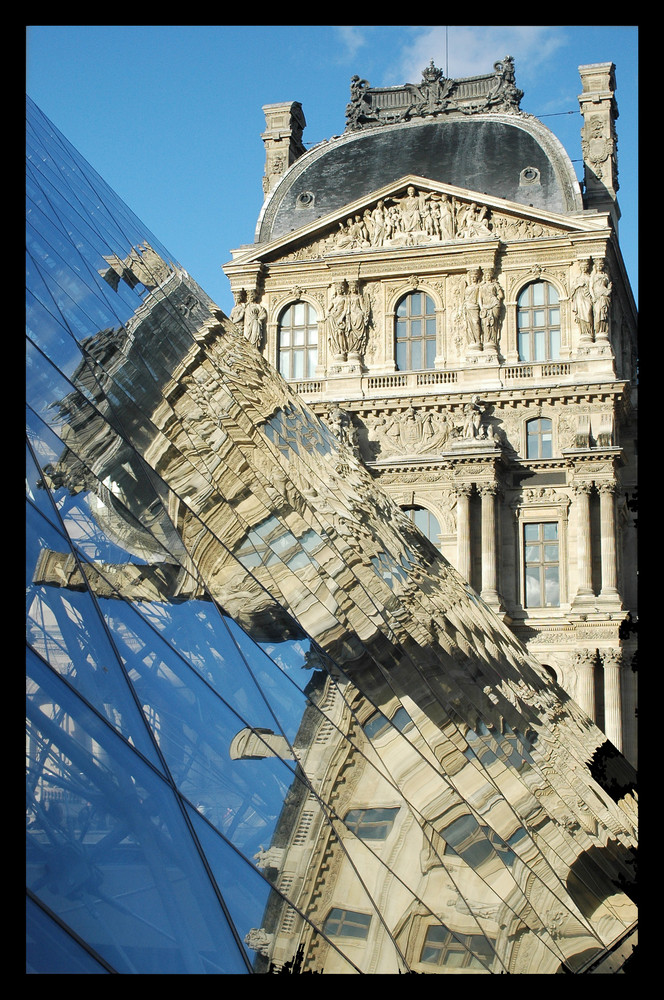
(439, 287)
(271, 727)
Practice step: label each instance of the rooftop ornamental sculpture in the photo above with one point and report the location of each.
(434, 95)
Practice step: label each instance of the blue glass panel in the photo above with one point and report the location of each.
(50, 950)
(108, 848)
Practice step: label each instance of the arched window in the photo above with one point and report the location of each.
(415, 332)
(298, 341)
(539, 438)
(538, 322)
(425, 521)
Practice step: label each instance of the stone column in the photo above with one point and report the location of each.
(463, 530)
(585, 665)
(584, 591)
(612, 660)
(607, 509)
(489, 593)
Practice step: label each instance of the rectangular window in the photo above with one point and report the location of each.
(347, 923)
(542, 565)
(371, 824)
(456, 951)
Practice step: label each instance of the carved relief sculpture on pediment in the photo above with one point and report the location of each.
(419, 218)
(415, 218)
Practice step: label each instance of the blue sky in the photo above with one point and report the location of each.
(171, 115)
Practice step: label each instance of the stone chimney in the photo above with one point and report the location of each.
(598, 138)
(283, 140)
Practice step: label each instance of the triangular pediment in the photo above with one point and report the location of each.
(416, 212)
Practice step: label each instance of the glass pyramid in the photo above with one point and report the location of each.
(269, 728)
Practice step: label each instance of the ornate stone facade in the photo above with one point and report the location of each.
(505, 406)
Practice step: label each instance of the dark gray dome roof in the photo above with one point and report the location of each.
(483, 153)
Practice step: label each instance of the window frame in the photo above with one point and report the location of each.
(542, 563)
(345, 920)
(309, 367)
(553, 507)
(538, 436)
(532, 329)
(425, 339)
(411, 508)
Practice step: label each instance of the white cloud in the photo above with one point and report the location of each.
(466, 50)
(351, 38)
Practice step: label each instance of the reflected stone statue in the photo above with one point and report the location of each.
(255, 316)
(258, 939)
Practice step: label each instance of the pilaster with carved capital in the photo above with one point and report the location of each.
(488, 493)
(584, 592)
(612, 661)
(607, 506)
(463, 493)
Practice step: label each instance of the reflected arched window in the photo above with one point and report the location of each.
(538, 322)
(425, 521)
(539, 438)
(298, 341)
(415, 332)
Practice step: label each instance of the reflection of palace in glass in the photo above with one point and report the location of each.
(269, 727)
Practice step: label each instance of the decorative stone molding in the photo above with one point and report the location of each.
(370, 107)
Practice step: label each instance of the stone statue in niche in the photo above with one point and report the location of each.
(337, 324)
(490, 299)
(582, 303)
(255, 316)
(600, 286)
(359, 317)
(471, 309)
(591, 301)
(348, 319)
(239, 309)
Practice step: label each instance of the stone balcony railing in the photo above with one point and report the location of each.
(459, 379)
